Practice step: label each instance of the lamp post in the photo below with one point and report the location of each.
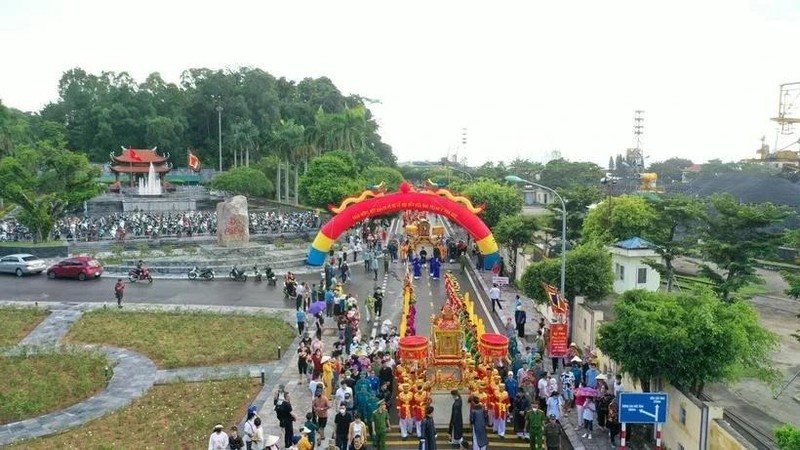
(219, 118)
(516, 179)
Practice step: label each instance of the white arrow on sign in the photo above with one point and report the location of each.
(654, 416)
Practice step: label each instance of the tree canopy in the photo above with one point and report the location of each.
(620, 218)
(45, 181)
(733, 236)
(689, 339)
(560, 173)
(500, 200)
(246, 181)
(102, 111)
(329, 179)
(588, 273)
(514, 232)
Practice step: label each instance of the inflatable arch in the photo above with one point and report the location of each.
(375, 202)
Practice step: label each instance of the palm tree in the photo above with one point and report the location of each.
(287, 137)
(346, 131)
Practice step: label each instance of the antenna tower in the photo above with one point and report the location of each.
(788, 106)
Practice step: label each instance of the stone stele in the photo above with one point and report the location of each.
(233, 228)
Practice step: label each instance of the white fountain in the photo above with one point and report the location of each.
(152, 184)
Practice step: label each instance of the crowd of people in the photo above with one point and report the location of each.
(157, 224)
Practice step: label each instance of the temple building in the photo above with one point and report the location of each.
(136, 163)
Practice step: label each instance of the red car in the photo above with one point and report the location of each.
(80, 267)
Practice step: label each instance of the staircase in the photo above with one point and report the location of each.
(394, 441)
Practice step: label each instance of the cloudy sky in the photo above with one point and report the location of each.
(524, 78)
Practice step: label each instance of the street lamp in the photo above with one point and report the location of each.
(219, 117)
(516, 179)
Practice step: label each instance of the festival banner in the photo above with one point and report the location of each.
(194, 162)
(558, 344)
(557, 302)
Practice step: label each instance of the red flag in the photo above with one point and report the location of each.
(557, 302)
(133, 155)
(194, 162)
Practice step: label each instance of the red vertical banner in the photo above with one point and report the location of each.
(558, 344)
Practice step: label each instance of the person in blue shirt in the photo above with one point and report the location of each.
(577, 372)
(511, 385)
(591, 376)
(301, 320)
(329, 302)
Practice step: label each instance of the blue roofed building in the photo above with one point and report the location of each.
(630, 270)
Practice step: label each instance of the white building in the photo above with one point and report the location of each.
(630, 270)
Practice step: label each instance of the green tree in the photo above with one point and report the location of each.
(45, 181)
(524, 168)
(670, 170)
(673, 237)
(788, 437)
(560, 173)
(515, 232)
(376, 175)
(577, 199)
(500, 200)
(619, 218)
(242, 180)
(733, 236)
(329, 179)
(588, 273)
(689, 339)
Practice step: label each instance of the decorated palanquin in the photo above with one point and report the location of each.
(448, 338)
(421, 232)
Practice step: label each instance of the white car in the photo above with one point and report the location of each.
(21, 264)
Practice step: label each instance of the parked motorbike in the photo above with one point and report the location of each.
(139, 275)
(272, 279)
(256, 273)
(205, 273)
(237, 274)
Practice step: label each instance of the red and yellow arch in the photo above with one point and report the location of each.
(370, 203)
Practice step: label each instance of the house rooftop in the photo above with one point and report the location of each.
(635, 243)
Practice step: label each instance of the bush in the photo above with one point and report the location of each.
(117, 250)
(143, 249)
(168, 250)
(190, 250)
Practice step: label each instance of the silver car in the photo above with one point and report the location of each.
(21, 264)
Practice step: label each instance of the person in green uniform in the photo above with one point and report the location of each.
(380, 425)
(534, 421)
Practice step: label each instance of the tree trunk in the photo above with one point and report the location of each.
(278, 183)
(247, 157)
(305, 168)
(234, 157)
(286, 182)
(296, 185)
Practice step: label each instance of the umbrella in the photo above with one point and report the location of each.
(587, 392)
(316, 308)
(602, 377)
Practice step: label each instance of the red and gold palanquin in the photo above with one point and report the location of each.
(448, 339)
(414, 348)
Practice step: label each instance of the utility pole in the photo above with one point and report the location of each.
(219, 118)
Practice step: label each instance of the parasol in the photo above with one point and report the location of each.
(316, 308)
(587, 392)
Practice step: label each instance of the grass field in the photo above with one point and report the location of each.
(44, 382)
(178, 339)
(17, 323)
(173, 416)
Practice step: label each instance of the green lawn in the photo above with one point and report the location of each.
(44, 382)
(173, 416)
(17, 323)
(176, 339)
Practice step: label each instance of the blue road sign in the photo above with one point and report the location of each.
(643, 407)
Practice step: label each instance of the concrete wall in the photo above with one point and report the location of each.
(686, 419)
(723, 437)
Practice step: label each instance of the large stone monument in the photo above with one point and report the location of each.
(233, 222)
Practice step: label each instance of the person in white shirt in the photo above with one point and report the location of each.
(342, 392)
(494, 295)
(619, 388)
(542, 385)
(218, 439)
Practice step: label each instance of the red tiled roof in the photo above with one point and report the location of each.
(694, 168)
(145, 155)
(139, 169)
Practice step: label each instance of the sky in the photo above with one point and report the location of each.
(524, 78)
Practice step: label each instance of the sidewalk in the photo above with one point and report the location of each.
(600, 440)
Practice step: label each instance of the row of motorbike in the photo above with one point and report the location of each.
(236, 274)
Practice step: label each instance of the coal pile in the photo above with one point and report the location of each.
(749, 188)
